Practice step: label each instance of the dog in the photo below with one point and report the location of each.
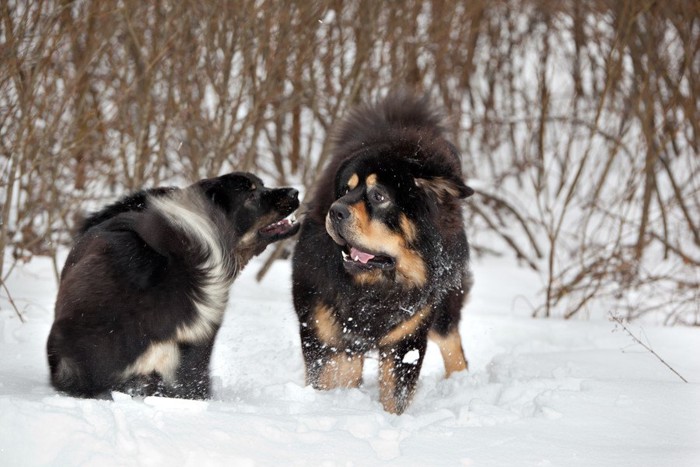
(144, 288)
(381, 263)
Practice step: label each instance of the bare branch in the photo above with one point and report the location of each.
(619, 321)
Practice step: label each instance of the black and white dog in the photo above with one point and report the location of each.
(144, 289)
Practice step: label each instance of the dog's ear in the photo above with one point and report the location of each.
(223, 190)
(213, 188)
(444, 188)
(216, 190)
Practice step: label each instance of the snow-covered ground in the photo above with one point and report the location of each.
(539, 393)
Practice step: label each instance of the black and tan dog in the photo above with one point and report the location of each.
(381, 262)
(143, 291)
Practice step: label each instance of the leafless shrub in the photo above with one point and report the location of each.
(578, 121)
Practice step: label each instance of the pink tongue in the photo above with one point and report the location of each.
(360, 255)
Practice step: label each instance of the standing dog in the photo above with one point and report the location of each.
(381, 262)
(143, 291)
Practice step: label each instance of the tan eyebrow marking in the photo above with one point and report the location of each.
(353, 181)
(372, 180)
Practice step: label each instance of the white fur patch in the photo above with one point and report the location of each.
(411, 357)
(185, 210)
(161, 357)
(248, 239)
(66, 370)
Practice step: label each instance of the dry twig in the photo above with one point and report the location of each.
(619, 321)
(12, 302)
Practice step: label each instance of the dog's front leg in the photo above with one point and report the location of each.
(332, 368)
(399, 367)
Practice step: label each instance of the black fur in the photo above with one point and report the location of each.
(143, 290)
(393, 186)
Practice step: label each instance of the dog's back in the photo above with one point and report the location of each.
(134, 202)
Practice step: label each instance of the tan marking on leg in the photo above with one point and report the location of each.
(451, 350)
(353, 181)
(342, 371)
(405, 328)
(387, 384)
(327, 329)
(371, 180)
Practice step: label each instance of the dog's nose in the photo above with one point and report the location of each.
(284, 199)
(339, 212)
(292, 193)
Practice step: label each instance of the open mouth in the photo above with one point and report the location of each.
(355, 259)
(280, 229)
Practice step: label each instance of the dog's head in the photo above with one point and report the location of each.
(258, 215)
(386, 210)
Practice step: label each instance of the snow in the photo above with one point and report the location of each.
(539, 392)
(411, 357)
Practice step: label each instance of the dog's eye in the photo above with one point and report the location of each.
(377, 196)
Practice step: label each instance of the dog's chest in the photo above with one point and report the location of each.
(209, 260)
(365, 321)
(209, 306)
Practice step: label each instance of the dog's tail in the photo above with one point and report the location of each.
(66, 375)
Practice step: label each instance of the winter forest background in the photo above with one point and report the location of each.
(578, 121)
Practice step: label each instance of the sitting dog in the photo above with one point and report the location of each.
(144, 288)
(381, 261)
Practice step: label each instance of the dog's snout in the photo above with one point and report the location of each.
(339, 212)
